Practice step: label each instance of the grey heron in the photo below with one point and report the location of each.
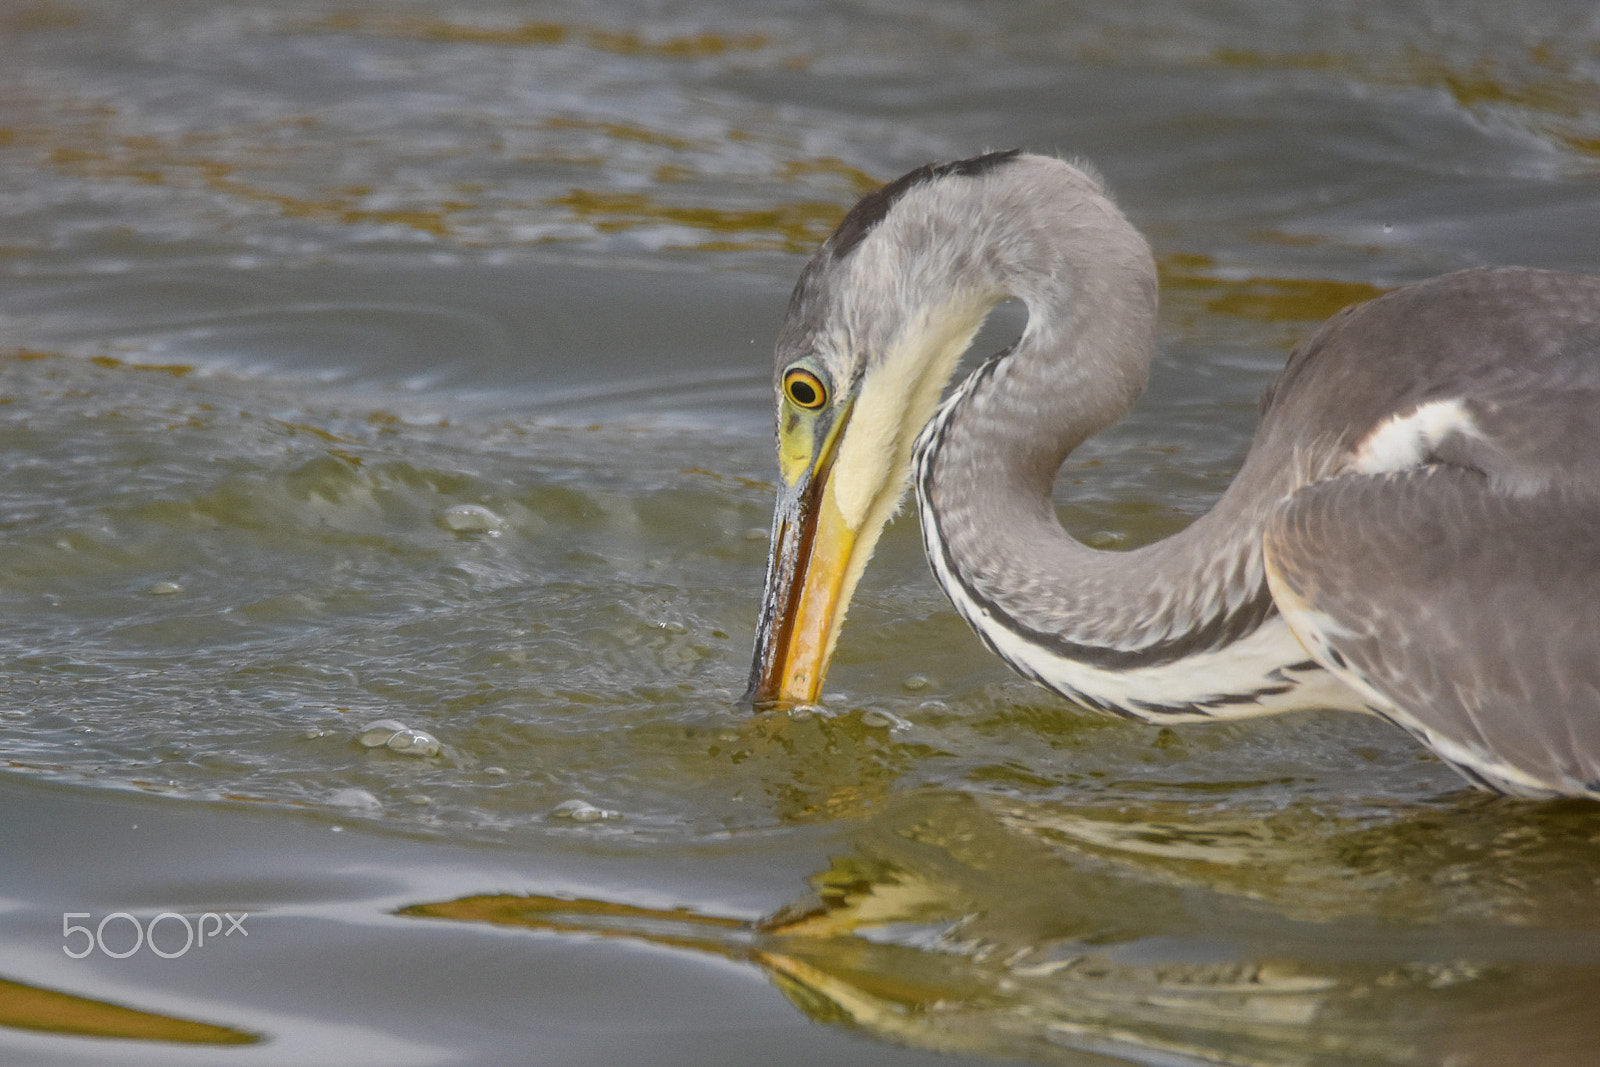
(1415, 530)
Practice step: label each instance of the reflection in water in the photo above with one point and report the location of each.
(985, 927)
(29, 1007)
(409, 361)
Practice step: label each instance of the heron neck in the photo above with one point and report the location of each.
(986, 471)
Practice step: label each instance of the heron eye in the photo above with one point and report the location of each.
(804, 389)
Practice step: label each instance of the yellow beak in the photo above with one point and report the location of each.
(805, 599)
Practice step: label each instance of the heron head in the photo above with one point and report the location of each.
(879, 318)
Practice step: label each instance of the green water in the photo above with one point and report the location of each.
(410, 363)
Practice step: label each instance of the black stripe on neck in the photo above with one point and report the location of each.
(871, 209)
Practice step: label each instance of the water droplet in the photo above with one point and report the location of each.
(916, 682)
(473, 519)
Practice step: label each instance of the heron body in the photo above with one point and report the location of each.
(1412, 531)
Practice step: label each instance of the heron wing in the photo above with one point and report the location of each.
(1468, 615)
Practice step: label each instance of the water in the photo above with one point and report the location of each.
(408, 364)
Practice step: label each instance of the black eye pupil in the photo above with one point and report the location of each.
(805, 390)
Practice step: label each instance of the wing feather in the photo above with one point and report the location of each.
(1468, 615)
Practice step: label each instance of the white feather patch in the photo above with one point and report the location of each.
(1406, 441)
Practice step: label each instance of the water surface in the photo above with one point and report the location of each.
(409, 363)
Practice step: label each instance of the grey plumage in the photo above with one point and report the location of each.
(1470, 617)
(1462, 595)
(1417, 507)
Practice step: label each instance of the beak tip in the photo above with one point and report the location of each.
(760, 696)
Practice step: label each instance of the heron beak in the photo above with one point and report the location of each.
(805, 599)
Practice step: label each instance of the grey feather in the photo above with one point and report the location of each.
(1472, 615)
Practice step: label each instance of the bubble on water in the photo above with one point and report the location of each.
(377, 734)
(473, 519)
(359, 799)
(879, 719)
(915, 682)
(414, 743)
(164, 589)
(398, 737)
(583, 811)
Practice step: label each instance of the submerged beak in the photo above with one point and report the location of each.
(803, 606)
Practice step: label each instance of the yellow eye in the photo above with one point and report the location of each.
(804, 389)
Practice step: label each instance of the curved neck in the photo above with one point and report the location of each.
(986, 466)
